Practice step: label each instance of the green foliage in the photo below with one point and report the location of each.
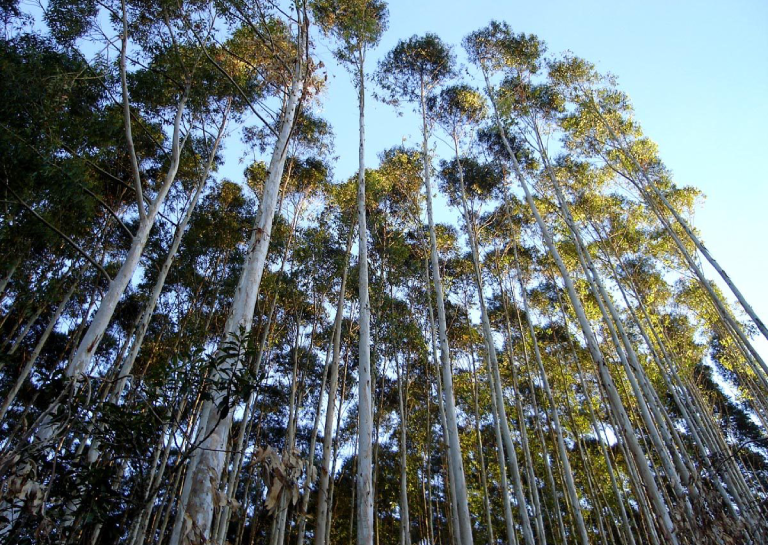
(456, 107)
(356, 25)
(479, 180)
(496, 47)
(414, 68)
(69, 21)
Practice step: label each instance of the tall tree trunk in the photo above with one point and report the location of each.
(614, 399)
(206, 464)
(335, 451)
(24, 330)
(481, 455)
(221, 522)
(157, 289)
(675, 470)
(456, 464)
(405, 520)
(365, 425)
(440, 399)
(277, 536)
(90, 341)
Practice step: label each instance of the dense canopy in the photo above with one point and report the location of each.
(516, 336)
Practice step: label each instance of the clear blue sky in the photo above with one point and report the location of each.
(697, 73)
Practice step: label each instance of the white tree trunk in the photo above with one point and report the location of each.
(325, 466)
(688, 231)
(405, 520)
(440, 399)
(365, 408)
(78, 364)
(456, 465)
(157, 289)
(206, 464)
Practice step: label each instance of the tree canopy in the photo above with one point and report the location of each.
(210, 333)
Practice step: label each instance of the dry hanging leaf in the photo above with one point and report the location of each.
(273, 496)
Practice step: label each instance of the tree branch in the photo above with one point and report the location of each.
(58, 232)
(127, 119)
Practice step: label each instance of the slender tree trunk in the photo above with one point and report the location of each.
(38, 348)
(440, 399)
(538, 420)
(365, 426)
(278, 529)
(221, 522)
(335, 450)
(90, 342)
(481, 455)
(333, 385)
(456, 464)
(567, 471)
(614, 399)
(675, 470)
(7, 278)
(502, 461)
(157, 289)
(24, 330)
(427, 461)
(405, 521)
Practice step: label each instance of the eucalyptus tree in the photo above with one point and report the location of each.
(60, 208)
(674, 350)
(357, 25)
(206, 464)
(677, 467)
(637, 390)
(169, 37)
(83, 158)
(607, 115)
(494, 49)
(607, 131)
(305, 184)
(188, 316)
(534, 105)
(411, 72)
(141, 329)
